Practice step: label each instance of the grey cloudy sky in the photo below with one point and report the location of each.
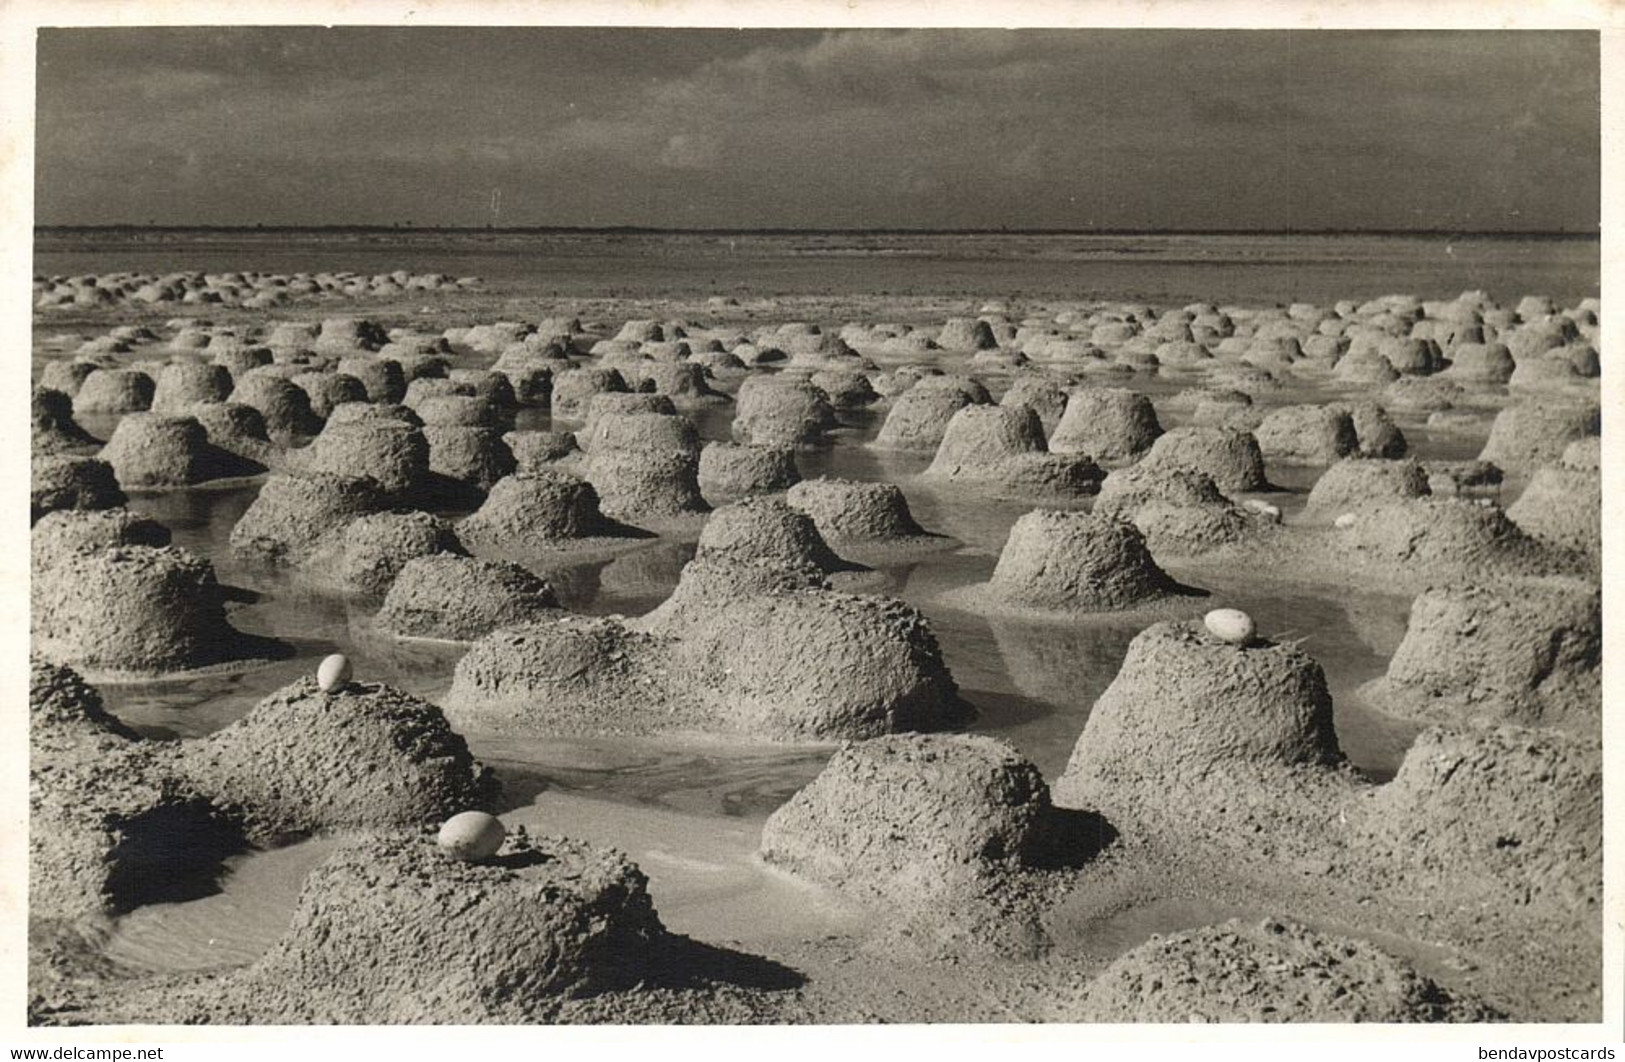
(872, 128)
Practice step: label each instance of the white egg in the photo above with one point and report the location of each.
(1232, 625)
(1344, 521)
(471, 836)
(335, 673)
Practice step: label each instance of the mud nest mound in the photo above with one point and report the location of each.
(135, 611)
(1071, 562)
(372, 550)
(392, 454)
(1195, 734)
(1379, 435)
(59, 482)
(919, 418)
(65, 376)
(1563, 507)
(1443, 535)
(1309, 434)
(73, 530)
(707, 585)
(362, 756)
(461, 598)
(770, 531)
(1358, 481)
(1107, 423)
(1230, 458)
(1480, 363)
(782, 411)
(182, 384)
(114, 391)
(1534, 433)
(497, 941)
(329, 389)
(538, 450)
(572, 388)
(817, 665)
(1180, 512)
(1505, 816)
(568, 675)
(64, 709)
(238, 429)
(474, 456)
(846, 390)
(907, 818)
(1002, 449)
(1270, 972)
(292, 514)
(54, 431)
(151, 450)
(383, 379)
(646, 467)
(537, 509)
(737, 470)
(1528, 653)
(863, 516)
(286, 408)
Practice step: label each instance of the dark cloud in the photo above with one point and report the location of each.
(871, 128)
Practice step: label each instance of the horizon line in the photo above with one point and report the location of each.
(48, 229)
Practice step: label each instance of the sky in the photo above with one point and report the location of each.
(1031, 129)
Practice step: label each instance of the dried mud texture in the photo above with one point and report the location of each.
(820, 666)
(1198, 738)
(866, 518)
(156, 450)
(372, 550)
(1563, 508)
(461, 598)
(919, 418)
(1074, 562)
(66, 482)
(1180, 512)
(114, 391)
(1230, 458)
(53, 429)
(1309, 434)
(1528, 653)
(1002, 450)
(131, 611)
(729, 471)
(1109, 424)
(1534, 433)
(1355, 482)
(946, 830)
(1504, 818)
(782, 411)
(1273, 971)
(364, 756)
(292, 514)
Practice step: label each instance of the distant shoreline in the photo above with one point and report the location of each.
(633, 230)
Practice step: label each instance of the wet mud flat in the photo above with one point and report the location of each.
(828, 668)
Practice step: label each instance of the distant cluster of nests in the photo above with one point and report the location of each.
(392, 467)
(251, 290)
